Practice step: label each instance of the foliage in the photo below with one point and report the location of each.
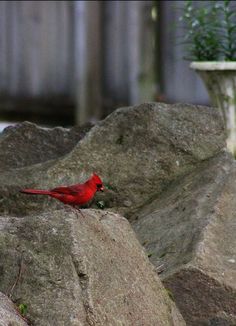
(23, 309)
(100, 204)
(109, 186)
(210, 31)
(228, 37)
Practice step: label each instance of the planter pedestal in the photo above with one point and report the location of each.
(220, 80)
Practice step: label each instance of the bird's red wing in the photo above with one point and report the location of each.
(71, 190)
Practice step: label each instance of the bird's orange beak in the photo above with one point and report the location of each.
(102, 189)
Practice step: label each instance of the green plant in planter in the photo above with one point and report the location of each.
(210, 40)
(210, 31)
(228, 30)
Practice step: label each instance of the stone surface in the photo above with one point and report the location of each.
(189, 233)
(138, 151)
(166, 169)
(8, 313)
(26, 144)
(81, 271)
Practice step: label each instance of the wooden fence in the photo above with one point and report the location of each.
(92, 55)
(178, 82)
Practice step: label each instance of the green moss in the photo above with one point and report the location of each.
(101, 204)
(23, 308)
(170, 294)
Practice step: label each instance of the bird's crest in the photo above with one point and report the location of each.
(96, 178)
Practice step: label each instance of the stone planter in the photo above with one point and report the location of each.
(220, 80)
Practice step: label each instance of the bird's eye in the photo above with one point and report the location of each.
(100, 187)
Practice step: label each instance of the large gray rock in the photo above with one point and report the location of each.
(81, 271)
(167, 170)
(9, 316)
(138, 151)
(189, 233)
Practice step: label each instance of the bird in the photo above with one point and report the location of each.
(73, 195)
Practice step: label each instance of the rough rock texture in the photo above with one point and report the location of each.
(137, 150)
(189, 232)
(81, 271)
(27, 144)
(8, 314)
(167, 171)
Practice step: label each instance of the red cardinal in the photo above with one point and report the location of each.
(78, 194)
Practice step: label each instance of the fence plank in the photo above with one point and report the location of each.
(35, 48)
(128, 52)
(180, 83)
(87, 60)
(140, 30)
(94, 26)
(81, 62)
(115, 63)
(3, 47)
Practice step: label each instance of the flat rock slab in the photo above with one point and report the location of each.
(189, 233)
(81, 271)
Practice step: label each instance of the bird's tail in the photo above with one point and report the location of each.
(35, 192)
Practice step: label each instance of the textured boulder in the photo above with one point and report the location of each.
(167, 170)
(189, 233)
(8, 313)
(137, 150)
(81, 271)
(26, 144)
